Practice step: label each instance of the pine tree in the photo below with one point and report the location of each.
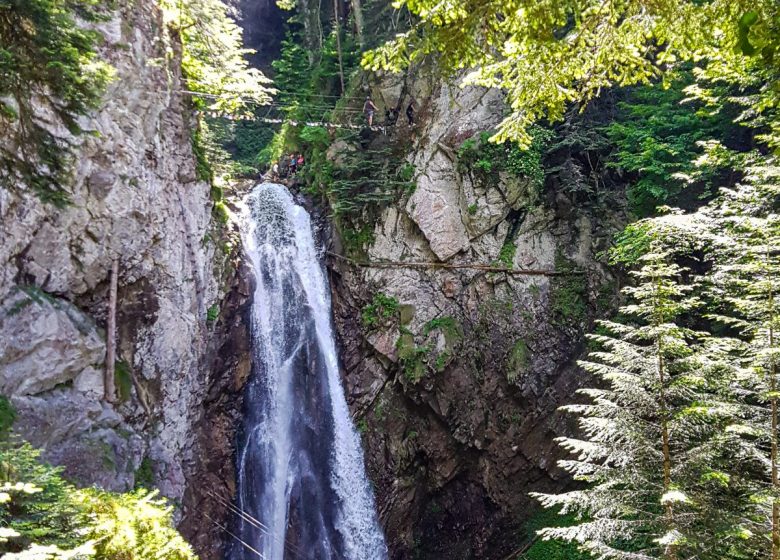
(640, 438)
(746, 284)
(42, 516)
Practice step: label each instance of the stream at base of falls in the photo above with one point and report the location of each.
(301, 481)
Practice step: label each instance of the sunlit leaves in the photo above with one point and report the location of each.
(548, 54)
(43, 517)
(214, 59)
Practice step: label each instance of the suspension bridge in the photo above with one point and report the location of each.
(297, 110)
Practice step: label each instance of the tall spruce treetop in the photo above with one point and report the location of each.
(640, 435)
(215, 61)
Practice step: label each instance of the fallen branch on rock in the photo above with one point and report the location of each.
(441, 265)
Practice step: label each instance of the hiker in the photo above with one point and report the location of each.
(275, 172)
(369, 109)
(300, 161)
(410, 112)
(293, 164)
(283, 167)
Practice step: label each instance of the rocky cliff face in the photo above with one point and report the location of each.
(455, 373)
(135, 197)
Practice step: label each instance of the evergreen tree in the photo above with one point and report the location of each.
(657, 134)
(746, 284)
(640, 437)
(43, 517)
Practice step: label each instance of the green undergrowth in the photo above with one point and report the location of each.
(144, 475)
(569, 293)
(382, 309)
(124, 380)
(7, 416)
(551, 549)
(413, 358)
(417, 360)
(519, 358)
(486, 159)
(507, 254)
(448, 326)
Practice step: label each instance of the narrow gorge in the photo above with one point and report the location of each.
(366, 280)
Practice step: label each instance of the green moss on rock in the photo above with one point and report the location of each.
(519, 358)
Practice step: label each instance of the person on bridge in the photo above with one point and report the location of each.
(293, 164)
(369, 109)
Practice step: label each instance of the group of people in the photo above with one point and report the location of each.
(391, 114)
(287, 166)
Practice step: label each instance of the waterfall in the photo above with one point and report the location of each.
(300, 475)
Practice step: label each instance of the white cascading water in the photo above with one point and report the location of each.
(301, 476)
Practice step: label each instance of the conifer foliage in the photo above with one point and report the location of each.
(43, 517)
(633, 455)
(678, 447)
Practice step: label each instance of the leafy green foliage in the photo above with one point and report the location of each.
(41, 513)
(486, 160)
(214, 59)
(124, 380)
(507, 254)
(7, 416)
(413, 358)
(519, 358)
(549, 54)
(221, 213)
(569, 293)
(381, 309)
(631, 243)
(45, 52)
(144, 475)
(551, 549)
(657, 135)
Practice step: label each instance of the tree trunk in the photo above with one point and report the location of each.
(773, 404)
(312, 32)
(670, 552)
(337, 29)
(109, 382)
(359, 25)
